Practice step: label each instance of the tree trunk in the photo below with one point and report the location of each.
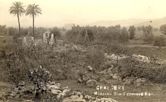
(18, 17)
(33, 17)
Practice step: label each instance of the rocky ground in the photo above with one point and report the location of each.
(75, 78)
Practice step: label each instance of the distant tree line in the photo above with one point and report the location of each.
(115, 34)
(100, 34)
(96, 34)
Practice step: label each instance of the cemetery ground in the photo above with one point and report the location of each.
(74, 57)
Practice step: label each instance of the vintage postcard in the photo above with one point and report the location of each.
(82, 50)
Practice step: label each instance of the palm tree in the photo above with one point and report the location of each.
(17, 9)
(33, 10)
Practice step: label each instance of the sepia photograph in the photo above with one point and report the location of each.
(82, 50)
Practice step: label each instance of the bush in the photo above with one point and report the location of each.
(80, 35)
(161, 75)
(133, 68)
(95, 58)
(16, 68)
(148, 34)
(129, 68)
(132, 32)
(163, 28)
(159, 41)
(56, 32)
(124, 37)
(39, 78)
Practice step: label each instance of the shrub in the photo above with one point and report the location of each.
(133, 68)
(129, 68)
(95, 58)
(159, 41)
(163, 28)
(160, 76)
(148, 34)
(80, 35)
(56, 32)
(132, 32)
(16, 68)
(123, 38)
(39, 77)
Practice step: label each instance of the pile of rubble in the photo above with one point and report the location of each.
(58, 91)
(137, 57)
(86, 80)
(21, 90)
(88, 77)
(77, 97)
(51, 91)
(140, 58)
(110, 73)
(67, 95)
(115, 57)
(91, 79)
(135, 81)
(60, 94)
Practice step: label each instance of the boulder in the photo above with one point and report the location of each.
(75, 97)
(54, 88)
(116, 77)
(140, 81)
(129, 81)
(114, 57)
(141, 58)
(90, 68)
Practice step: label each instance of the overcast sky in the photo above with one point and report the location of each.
(61, 12)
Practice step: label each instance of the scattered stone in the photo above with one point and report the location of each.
(115, 57)
(141, 58)
(79, 97)
(116, 77)
(91, 83)
(90, 68)
(129, 81)
(140, 81)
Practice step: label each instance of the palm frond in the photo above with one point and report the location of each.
(33, 9)
(17, 8)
